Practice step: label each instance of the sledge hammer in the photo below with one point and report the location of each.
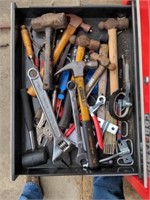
(78, 68)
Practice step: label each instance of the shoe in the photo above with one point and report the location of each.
(33, 179)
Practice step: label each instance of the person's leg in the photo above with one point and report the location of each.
(32, 189)
(108, 187)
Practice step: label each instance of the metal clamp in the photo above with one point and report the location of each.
(107, 126)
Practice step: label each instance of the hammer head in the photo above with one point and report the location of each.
(85, 41)
(77, 21)
(35, 157)
(111, 23)
(53, 20)
(78, 67)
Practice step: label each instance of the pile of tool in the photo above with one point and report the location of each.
(85, 100)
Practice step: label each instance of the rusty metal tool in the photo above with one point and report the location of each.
(81, 157)
(78, 68)
(99, 102)
(61, 145)
(47, 23)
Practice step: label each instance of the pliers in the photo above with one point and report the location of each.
(92, 109)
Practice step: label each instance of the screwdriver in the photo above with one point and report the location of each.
(62, 87)
(27, 43)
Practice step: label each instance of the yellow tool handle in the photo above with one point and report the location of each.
(80, 53)
(70, 30)
(82, 98)
(27, 41)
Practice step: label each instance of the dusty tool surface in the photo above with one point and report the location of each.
(78, 187)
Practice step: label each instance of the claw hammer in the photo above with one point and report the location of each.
(78, 68)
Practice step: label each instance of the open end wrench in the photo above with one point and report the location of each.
(61, 144)
(81, 157)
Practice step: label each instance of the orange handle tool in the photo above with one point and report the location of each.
(27, 42)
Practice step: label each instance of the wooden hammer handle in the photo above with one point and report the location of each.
(112, 43)
(98, 72)
(63, 41)
(80, 53)
(87, 125)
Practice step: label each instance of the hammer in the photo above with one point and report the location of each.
(78, 68)
(83, 42)
(112, 25)
(47, 23)
(104, 63)
(74, 23)
(33, 157)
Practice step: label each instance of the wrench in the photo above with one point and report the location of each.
(81, 157)
(61, 144)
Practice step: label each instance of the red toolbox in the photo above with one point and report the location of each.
(142, 183)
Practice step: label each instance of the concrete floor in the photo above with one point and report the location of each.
(55, 188)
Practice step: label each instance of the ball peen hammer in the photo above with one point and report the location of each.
(74, 23)
(78, 68)
(112, 25)
(47, 23)
(83, 42)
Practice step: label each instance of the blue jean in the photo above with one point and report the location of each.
(108, 187)
(104, 187)
(31, 191)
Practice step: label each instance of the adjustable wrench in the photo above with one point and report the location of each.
(81, 157)
(61, 144)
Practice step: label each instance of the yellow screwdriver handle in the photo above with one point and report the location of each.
(27, 41)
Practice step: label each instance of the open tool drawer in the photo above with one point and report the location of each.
(127, 40)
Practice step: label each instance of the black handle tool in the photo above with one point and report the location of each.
(34, 156)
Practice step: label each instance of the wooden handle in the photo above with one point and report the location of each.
(80, 53)
(98, 72)
(63, 41)
(82, 98)
(27, 41)
(114, 85)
